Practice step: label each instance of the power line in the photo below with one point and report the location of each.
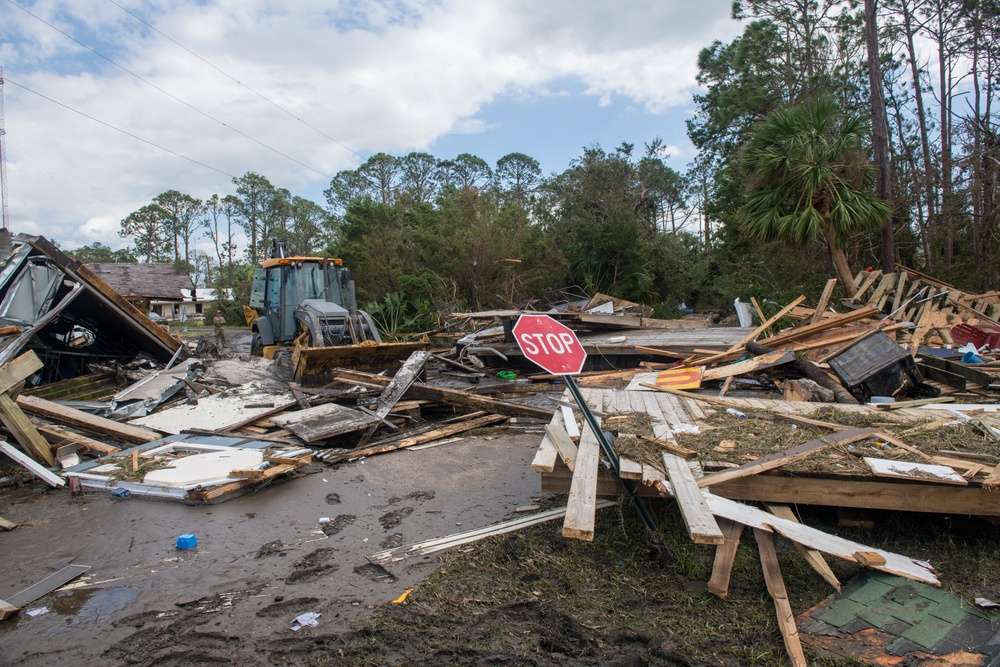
(171, 96)
(117, 129)
(234, 79)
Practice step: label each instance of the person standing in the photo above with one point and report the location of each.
(220, 329)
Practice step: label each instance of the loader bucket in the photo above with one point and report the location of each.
(314, 365)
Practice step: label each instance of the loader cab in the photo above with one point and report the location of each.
(283, 283)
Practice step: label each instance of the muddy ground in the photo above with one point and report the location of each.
(261, 559)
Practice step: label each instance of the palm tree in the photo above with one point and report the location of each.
(808, 174)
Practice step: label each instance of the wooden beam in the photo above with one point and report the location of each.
(673, 448)
(779, 459)
(77, 418)
(725, 557)
(776, 587)
(691, 501)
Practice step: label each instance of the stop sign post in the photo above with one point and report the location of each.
(555, 348)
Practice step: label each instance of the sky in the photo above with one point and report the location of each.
(109, 103)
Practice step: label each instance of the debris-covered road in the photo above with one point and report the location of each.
(261, 559)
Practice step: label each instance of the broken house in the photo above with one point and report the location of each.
(157, 288)
(68, 314)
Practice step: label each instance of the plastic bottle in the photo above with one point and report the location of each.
(736, 413)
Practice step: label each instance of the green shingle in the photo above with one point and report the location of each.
(841, 612)
(928, 632)
(873, 591)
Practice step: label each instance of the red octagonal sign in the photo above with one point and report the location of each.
(549, 344)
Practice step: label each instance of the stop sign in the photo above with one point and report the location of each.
(549, 344)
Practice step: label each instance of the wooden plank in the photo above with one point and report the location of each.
(19, 369)
(33, 466)
(886, 283)
(765, 325)
(779, 459)
(923, 472)
(824, 301)
(898, 405)
(776, 587)
(725, 557)
(761, 362)
(899, 292)
(56, 434)
(24, 431)
(872, 277)
(428, 436)
(564, 445)
(579, 521)
(450, 396)
(325, 421)
(690, 499)
(831, 492)
(401, 381)
(812, 557)
(79, 419)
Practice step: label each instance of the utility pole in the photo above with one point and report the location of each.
(3, 161)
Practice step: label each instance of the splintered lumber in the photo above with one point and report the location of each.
(830, 426)
(459, 539)
(783, 458)
(725, 557)
(442, 395)
(776, 588)
(33, 466)
(79, 419)
(324, 421)
(818, 540)
(697, 517)
(769, 360)
(824, 301)
(405, 442)
(24, 431)
(811, 556)
(6, 524)
(713, 400)
(579, 521)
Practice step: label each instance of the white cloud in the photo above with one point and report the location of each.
(387, 75)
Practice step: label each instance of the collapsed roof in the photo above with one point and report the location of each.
(66, 313)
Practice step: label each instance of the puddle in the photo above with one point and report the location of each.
(89, 604)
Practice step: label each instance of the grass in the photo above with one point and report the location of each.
(535, 598)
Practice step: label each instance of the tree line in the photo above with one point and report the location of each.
(822, 127)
